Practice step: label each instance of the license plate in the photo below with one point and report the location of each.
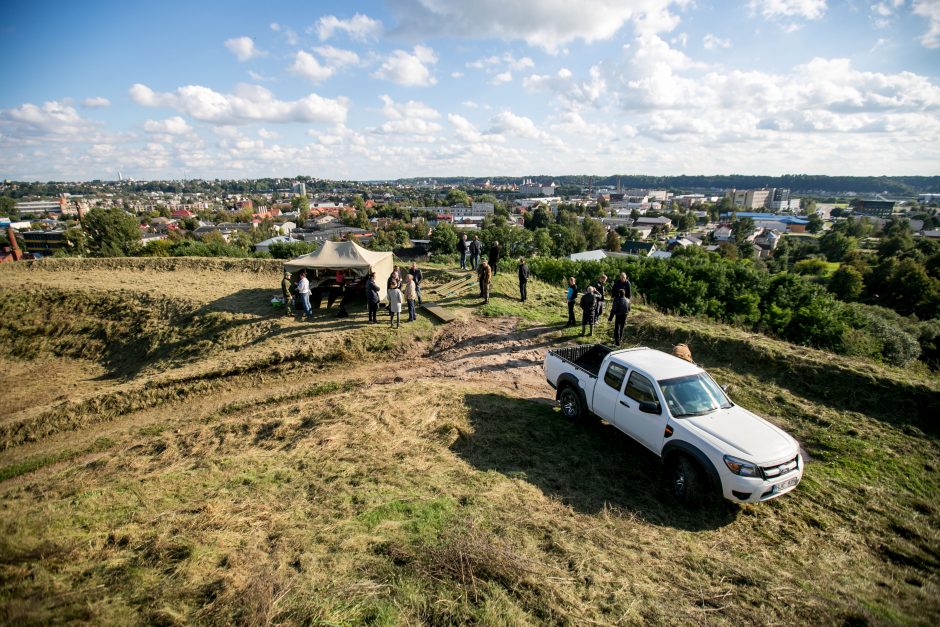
(789, 483)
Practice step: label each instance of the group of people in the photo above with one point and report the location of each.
(470, 252)
(593, 300)
(407, 290)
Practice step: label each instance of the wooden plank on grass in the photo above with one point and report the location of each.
(439, 312)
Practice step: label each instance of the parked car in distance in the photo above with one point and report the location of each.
(706, 442)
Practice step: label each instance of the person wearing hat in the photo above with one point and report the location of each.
(286, 287)
(372, 298)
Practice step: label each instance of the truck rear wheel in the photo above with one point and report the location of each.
(686, 481)
(570, 403)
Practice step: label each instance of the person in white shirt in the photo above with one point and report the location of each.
(303, 288)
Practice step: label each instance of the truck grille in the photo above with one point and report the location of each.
(772, 472)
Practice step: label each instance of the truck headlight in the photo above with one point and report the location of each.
(741, 467)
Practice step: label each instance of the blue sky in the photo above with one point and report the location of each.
(400, 88)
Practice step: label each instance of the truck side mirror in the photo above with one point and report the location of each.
(649, 407)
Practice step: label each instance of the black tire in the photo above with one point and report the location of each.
(687, 482)
(570, 403)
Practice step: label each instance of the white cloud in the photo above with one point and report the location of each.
(502, 77)
(465, 129)
(409, 70)
(507, 60)
(710, 42)
(52, 118)
(807, 9)
(929, 9)
(337, 57)
(249, 103)
(171, 126)
(243, 48)
(307, 66)
(96, 103)
(289, 35)
(548, 24)
(264, 133)
(572, 92)
(456, 74)
(409, 117)
(359, 27)
(508, 123)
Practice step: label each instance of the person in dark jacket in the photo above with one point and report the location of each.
(462, 247)
(618, 312)
(419, 276)
(571, 297)
(494, 256)
(372, 298)
(622, 283)
(599, 287)
(523, 278)
(476, 247)
(588, 303)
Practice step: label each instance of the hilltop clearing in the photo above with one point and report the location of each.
(172, 450)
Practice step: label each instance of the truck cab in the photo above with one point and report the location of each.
(677, 411)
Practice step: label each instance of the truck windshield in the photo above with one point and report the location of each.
(694, 395)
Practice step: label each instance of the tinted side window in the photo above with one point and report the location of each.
(640, 389)
(614, 376)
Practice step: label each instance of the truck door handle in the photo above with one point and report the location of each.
(624, 404)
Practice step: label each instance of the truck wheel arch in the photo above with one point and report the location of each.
(568, 380)
(679, 447)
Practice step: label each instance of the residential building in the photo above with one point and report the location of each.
(477, 209)
(749, 198)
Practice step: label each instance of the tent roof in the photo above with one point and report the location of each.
(338, 256)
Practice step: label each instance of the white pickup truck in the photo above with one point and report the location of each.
(672, 407)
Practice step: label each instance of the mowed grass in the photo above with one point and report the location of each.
(322, 489)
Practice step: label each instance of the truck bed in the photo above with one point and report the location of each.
(587, 358)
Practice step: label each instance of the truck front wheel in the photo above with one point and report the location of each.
(570, 403)
(686, 481)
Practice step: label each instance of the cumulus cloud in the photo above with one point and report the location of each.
(409, 70)
(337, 57)
(547, 24)
(574, 93)
(52, 118)
(409, 117)
(710, 42)
(289, 35)
(508, 123)
(465, 129)
(249, 103)
(502, 77)
(307, 66)
(359, 27)
(171, 126)
(929, 9)
(243, 48)
(507, 60)
(96, 102)
(807, 9)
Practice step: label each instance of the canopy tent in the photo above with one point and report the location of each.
(349, 257)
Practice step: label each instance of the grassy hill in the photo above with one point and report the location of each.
(172, 450)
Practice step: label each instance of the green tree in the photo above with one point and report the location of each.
(836, 246)
(456, 197)
(300, 204)
(613, 241)
(846, 284)
(815, 223)
(7, 207)
(541, 218)
(542, 242)
(595, 234)
(112, 232)
(443, 239)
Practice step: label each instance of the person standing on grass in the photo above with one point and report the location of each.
(372, 298)
(618, 312)
(476, 247)
(523, 278)
(303, 288)
(411, 293)
(462, 248)
(394, 279)
(588, 303)
(599, 287)
(394, 306)
(419, 276)
(286, 287)
(485, 275)
(494, 256)
(622, 283)
(572, 298)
